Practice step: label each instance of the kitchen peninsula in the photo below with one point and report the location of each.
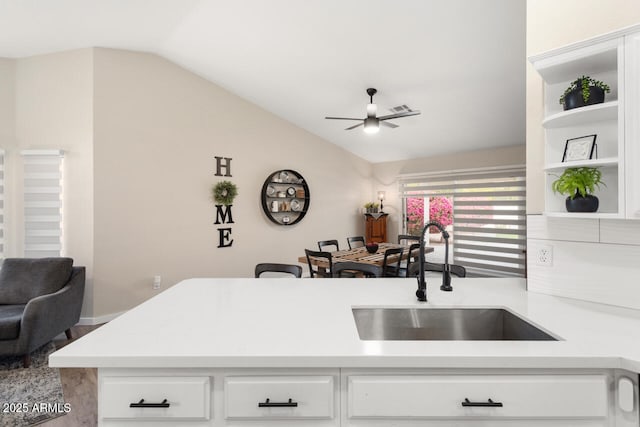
(232, 351)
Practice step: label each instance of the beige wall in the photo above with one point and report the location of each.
(7, 139)
(385, 174)
(7, 102)
(53, 109)
(551, 24)
(157, 130)
(140, 135)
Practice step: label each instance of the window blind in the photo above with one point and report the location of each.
(489, 216)
(42, 203)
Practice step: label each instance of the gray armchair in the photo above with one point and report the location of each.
(39, 299)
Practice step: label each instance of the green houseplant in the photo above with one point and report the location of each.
(579, 184)
(584, 91)
(371, 207)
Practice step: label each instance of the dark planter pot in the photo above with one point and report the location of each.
(574, 98)
(582, 204)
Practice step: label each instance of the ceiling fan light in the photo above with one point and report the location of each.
(372, 110)
(371, 125)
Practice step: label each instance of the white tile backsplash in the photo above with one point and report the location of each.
(626, 232)
(592, 260)
(577, 230)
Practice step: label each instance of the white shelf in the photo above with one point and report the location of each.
(566, 66)
(582, 115)
(610, 161)
(602, 58)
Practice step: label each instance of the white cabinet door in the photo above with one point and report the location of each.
(478, 397)
(279, 397)
(155, 398)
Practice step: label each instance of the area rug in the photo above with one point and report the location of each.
(30, 396)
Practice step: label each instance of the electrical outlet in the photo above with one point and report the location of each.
(544, 255)
(156, 282)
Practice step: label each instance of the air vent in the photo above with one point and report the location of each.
(400, 109)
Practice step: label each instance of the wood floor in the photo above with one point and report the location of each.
(80, 388)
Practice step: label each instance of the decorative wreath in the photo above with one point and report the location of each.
(224, 192)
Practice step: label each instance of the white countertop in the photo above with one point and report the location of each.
(269, 323)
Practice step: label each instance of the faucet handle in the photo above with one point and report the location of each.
(446, 279)
(421, 293)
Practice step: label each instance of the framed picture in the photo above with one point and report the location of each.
(582, 148)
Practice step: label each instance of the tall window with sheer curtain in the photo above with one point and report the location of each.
(483, 209)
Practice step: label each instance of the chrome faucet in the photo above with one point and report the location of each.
(421, 293)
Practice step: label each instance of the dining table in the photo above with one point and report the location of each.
(361, 254)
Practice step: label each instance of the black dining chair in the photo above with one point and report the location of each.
(318, 271)
(268, 267)
(324, 243)
(405, 239)
(414, 256)
(355, 269)
(355, 242)
(455, 269)
(392, 269)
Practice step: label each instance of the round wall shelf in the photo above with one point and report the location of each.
(285, 197)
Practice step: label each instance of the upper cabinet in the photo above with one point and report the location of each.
(602, 60)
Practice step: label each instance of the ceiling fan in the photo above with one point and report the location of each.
(372, 123)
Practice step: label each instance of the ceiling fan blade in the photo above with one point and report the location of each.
(389, 125)
(398, 115)
(341, 118)
(355, 126)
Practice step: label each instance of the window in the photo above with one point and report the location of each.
(488, 225)
(42, 203)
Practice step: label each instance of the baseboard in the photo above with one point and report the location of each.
(99, 319)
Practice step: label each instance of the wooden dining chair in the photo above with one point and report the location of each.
(313, 272)
(266, 267)
(324, 243)
(392, 269)
(355, 269)
(354, 241)
(455, 269)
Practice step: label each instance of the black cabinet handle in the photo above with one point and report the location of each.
(268, 404)
(488, 404)
(141, 404)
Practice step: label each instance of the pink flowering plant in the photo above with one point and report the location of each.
(415, 215)
(441, 210)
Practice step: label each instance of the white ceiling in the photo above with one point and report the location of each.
(460, 62)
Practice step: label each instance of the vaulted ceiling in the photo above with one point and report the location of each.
(460, 62)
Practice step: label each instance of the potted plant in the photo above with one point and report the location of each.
(371, 207)
(578, 184)
(584, 91)
(440, 210)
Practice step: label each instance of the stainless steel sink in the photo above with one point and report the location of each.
(478, 324)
